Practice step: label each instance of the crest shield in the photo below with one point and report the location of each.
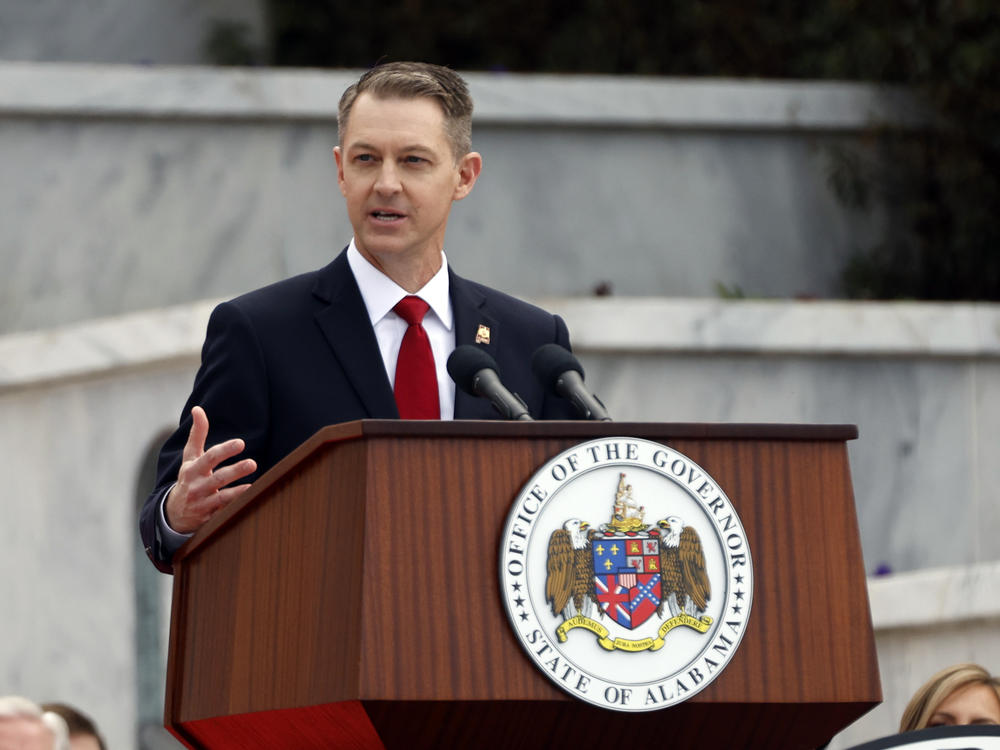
(627, 576)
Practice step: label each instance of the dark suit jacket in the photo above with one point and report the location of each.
(284, 361)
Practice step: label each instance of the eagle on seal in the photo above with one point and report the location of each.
(569, 585)
(684, 583)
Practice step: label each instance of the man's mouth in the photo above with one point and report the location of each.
(386, 215)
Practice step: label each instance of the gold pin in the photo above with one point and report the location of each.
(483, 334)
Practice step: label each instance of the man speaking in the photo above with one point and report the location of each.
(368, 335)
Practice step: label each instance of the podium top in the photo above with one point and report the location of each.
(584, 430)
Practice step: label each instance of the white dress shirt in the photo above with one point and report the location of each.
(381, 294)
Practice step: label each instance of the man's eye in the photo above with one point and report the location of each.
(364, 157)
(415, 160)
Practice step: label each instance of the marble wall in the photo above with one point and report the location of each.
(82, 405)
(922, 383)
(129, 188)
(120, 31)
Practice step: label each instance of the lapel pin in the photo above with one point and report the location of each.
(483, 334)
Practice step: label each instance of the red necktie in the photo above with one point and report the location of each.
(416, 387)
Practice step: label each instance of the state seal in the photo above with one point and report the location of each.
(626, 574)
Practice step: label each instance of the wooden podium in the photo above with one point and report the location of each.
(350, 598)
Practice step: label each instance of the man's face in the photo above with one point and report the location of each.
(399, 176)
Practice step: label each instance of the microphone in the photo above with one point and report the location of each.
(476, 373)
(562, 374)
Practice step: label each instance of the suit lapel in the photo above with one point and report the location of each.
(472, 318)
(345, 324)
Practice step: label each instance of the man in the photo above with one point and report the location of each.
(282, 362)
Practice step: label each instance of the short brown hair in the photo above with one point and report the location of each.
(412, 80)
(933, 693)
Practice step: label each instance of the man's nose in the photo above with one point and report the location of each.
(388, 178)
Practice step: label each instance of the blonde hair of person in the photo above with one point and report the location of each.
(936, 690)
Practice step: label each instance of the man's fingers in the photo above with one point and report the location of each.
(200, 484)
(229, 474)
(195, 445)
(199, 511)
(222, 498)
(231, 493)
(205, 463)
(201, 487)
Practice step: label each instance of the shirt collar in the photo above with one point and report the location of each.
(380, 293)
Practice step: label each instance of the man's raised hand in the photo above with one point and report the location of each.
(201, 488)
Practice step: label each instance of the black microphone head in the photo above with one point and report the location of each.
(465, 362)
(550, 361)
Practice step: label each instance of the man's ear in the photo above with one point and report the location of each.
(338, 156)
(469, 168)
